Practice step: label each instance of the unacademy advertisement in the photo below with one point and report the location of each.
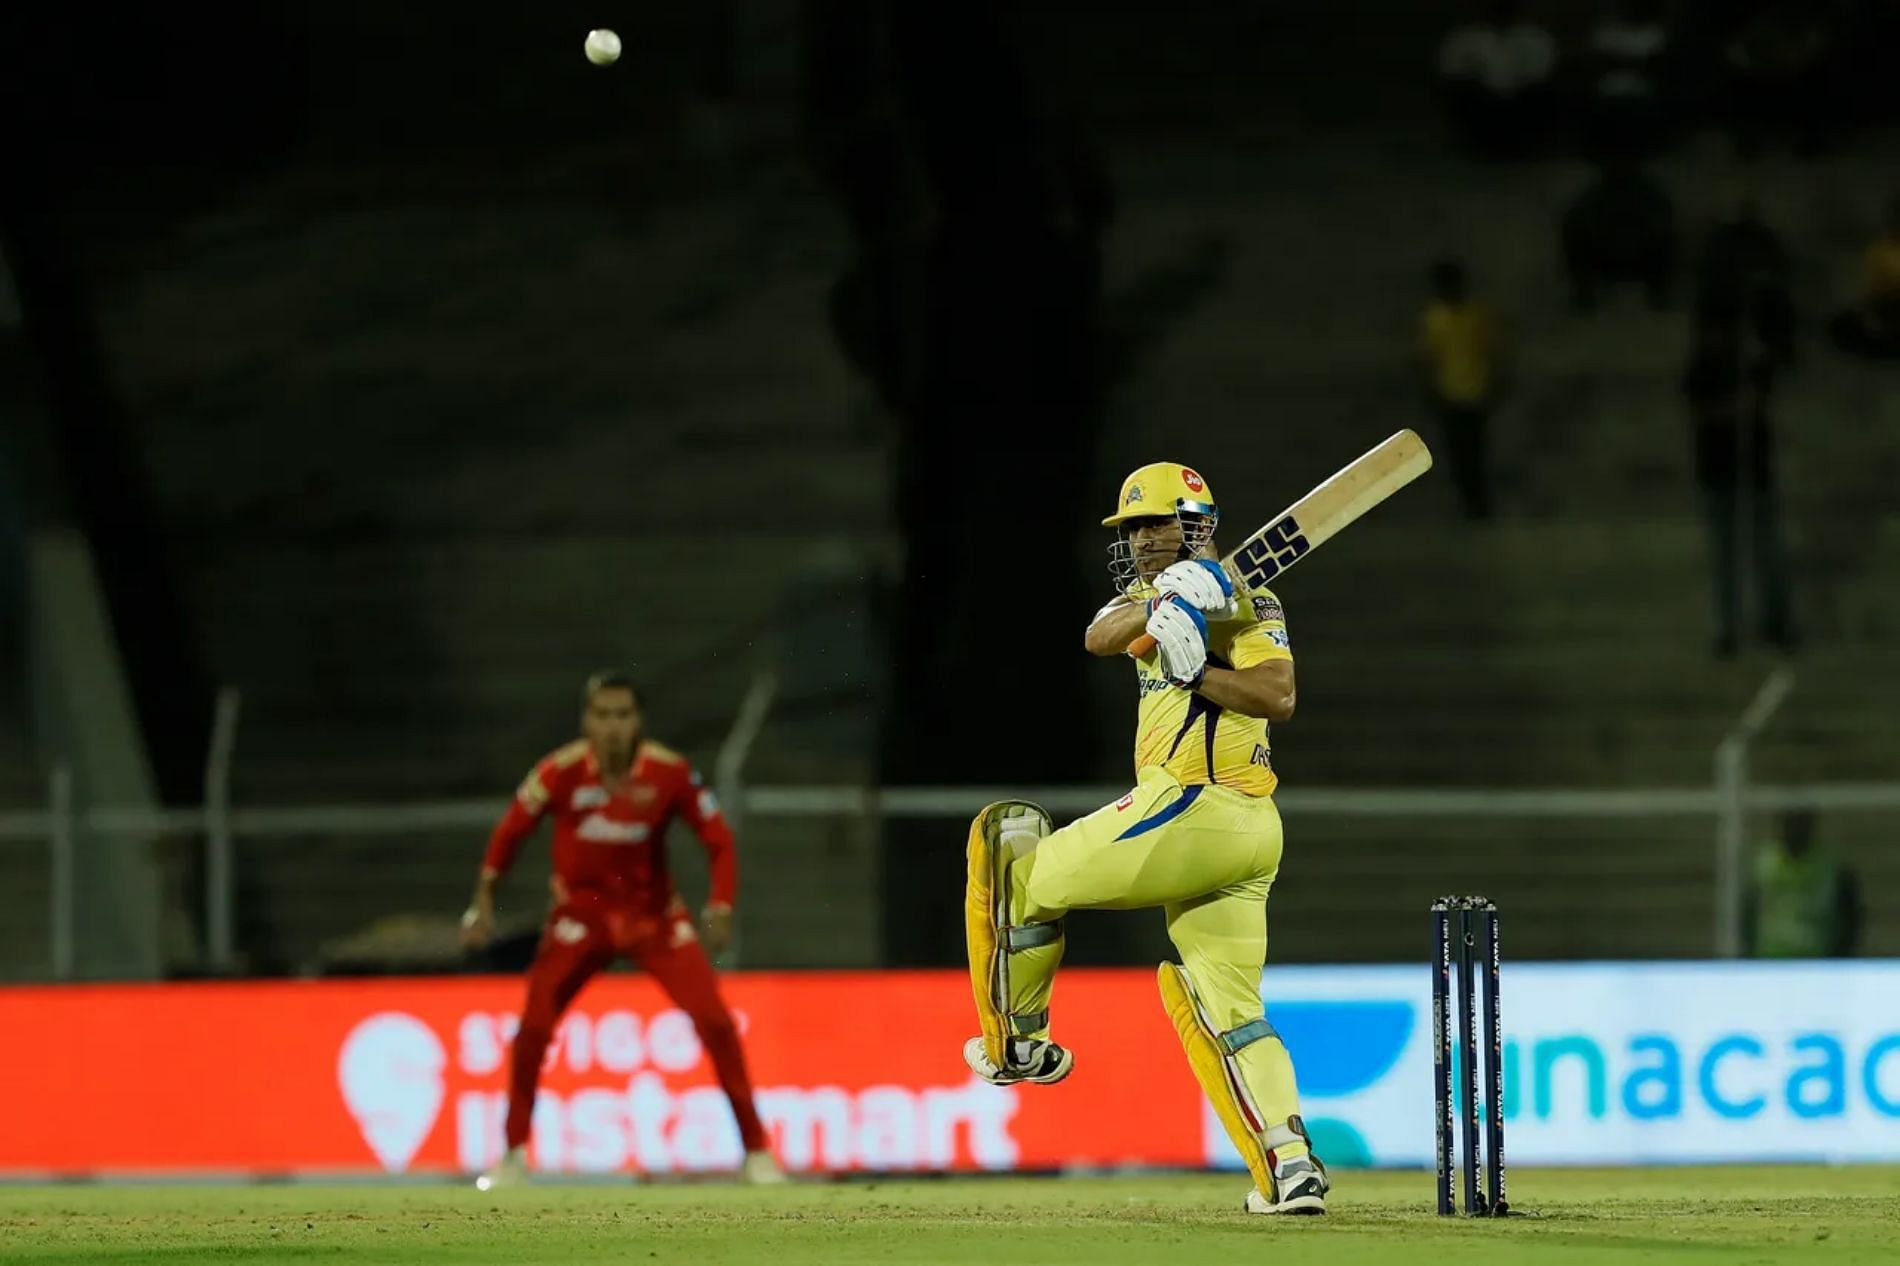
(1609, 1064)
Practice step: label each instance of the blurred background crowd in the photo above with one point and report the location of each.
(381, 377)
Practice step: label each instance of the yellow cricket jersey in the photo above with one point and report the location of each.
(1197, 740)
(1460, 341)
(1881, 270)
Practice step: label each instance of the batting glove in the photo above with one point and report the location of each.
(1204, 584)
(1180, 634)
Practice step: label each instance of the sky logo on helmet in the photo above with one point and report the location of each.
(1194, 482)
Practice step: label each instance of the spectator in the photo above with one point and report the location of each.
(1743, 273)
(1803, 903)
(1461, 352)
(1872, 328)
(1730, 377)
(1628, 52)
(1496, 76)
(1622, 227)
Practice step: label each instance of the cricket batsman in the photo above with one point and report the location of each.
(1198, 836)
(612, 795)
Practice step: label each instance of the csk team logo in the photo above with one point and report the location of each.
(1193, 480)
(1134, 495)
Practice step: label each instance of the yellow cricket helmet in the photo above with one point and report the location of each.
(1160, 490)
(1163, 488)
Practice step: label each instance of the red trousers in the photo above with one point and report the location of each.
(580, 939)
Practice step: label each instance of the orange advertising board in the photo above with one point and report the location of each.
(854, 1071)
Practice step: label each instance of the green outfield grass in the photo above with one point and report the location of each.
(1581, 1218)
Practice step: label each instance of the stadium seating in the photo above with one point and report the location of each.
(674, 471)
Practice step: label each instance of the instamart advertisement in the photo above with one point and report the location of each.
(1605, 1064)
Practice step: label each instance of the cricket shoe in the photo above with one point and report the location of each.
(510, 1171)
(761, 1169)
(1038, 1063)
(1302, 1186)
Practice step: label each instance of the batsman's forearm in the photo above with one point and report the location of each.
(1248, 693)
(1113, 630)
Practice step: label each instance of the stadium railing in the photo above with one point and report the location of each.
(1727, 804)
(1727, 807)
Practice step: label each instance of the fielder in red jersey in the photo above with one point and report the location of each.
(612, 795)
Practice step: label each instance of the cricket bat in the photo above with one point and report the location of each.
(1320, 515)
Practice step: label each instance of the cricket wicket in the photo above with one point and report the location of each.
(1465, 940)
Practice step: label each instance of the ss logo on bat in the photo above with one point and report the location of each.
(1264, 557)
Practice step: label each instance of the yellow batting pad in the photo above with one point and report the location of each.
(1011, 965)
(1219, 1079)
(980, 936)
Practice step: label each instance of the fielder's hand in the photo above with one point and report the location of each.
(1205, 585)
(715, 928)
(478, 922)
(1180, 634)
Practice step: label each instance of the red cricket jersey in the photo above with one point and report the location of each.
(610, 842)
